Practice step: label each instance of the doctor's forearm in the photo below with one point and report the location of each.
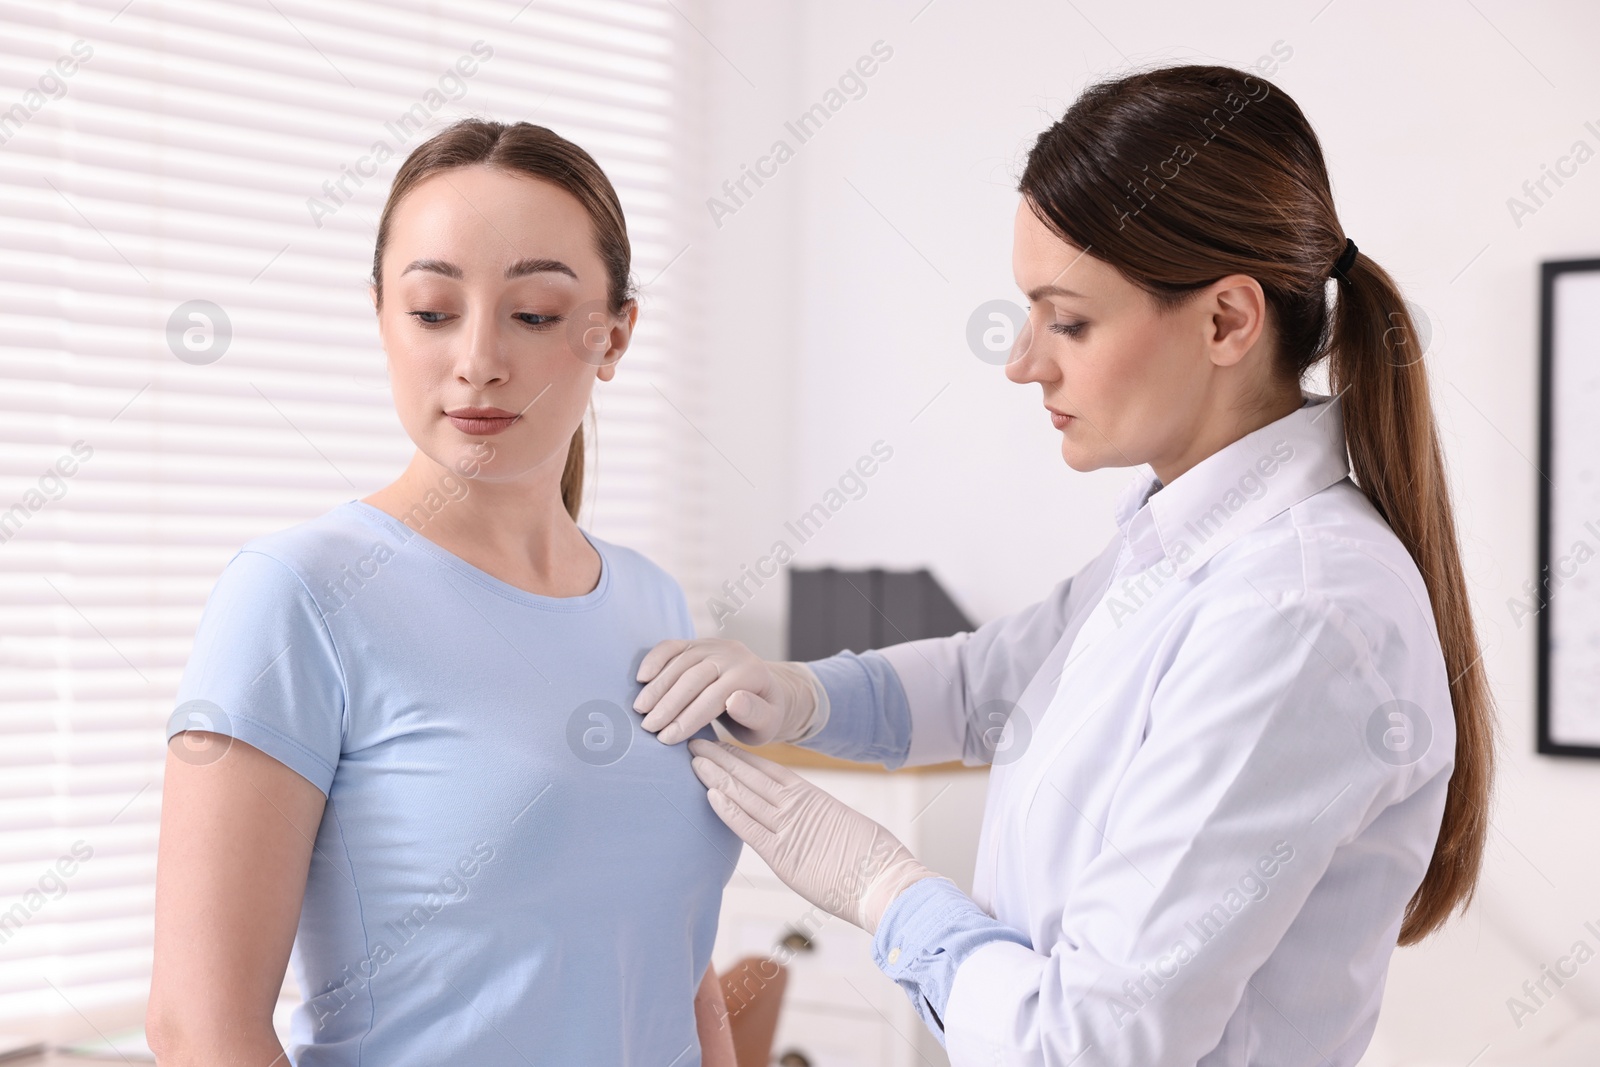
(868, 720)
(925, 934)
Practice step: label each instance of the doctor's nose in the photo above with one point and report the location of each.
(1025, 363)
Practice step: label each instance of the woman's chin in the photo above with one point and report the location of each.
(501, 458)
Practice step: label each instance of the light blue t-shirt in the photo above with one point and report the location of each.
(510, 869)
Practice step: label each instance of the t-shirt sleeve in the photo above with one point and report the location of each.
(684, 616)
(264, 670)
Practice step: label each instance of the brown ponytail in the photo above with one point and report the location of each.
(572, 475)
(539, 153)
(1376, 365)
(1181, 175)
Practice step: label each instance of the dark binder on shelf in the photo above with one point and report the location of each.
(832, 610)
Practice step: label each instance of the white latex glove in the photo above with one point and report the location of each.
(693, 682)
(825, 850)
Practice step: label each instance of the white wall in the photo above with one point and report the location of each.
(839, 296)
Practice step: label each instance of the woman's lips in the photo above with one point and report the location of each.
(1057, 419)
(482, 422)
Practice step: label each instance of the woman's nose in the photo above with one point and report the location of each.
(480, 362)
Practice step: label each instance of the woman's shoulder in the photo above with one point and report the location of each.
(642, 583)
(319, 547)
(634, 568)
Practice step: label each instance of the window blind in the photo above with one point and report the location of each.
(189, 359)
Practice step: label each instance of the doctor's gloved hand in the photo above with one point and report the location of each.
(825, 850)
(692, 682)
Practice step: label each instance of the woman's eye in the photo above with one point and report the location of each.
(424, 317)
(1071, 329)
(534, 319)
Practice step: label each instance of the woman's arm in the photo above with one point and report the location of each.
(711, 1022)
(237, 829)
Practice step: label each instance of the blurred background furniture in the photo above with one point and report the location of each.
(831, 609)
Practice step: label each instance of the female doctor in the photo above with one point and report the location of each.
(1246, 749)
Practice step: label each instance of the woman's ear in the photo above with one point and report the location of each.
(620, 336)
(1238, 315)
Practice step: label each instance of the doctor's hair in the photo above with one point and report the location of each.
(1180, 175)
(536, 152)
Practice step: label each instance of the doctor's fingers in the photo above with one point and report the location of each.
(741, 822)
(658, 657)
(699, 695)
(752, 719)
(758, 716)
(666, 674)
(696, 665)
(681, 684)
(752, 771)
(674, 654)
(739, 793)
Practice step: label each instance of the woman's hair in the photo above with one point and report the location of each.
(1181, 175)
(523, 148)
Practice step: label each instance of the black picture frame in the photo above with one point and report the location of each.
(1549, 741)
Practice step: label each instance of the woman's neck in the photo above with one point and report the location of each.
(516, 530)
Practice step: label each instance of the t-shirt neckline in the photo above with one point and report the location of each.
(478, 576)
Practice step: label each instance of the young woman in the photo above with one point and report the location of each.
(402, 745)
(1247, 749)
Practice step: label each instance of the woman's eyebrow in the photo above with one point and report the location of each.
(523, 267)
(520, 269)
(437, 266)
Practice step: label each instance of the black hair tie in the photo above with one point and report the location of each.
(1347, 259)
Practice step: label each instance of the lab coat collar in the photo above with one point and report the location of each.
(1234, 489)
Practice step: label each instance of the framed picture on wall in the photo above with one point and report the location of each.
(1564, 598)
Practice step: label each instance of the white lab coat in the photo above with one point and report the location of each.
(1222, 781)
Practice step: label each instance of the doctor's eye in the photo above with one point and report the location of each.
(1070, 329)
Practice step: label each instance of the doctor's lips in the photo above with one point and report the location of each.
(1058, 419)
(482, 422)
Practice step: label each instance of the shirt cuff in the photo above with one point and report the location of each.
(819, 717)
(925, 934)
(869, 718)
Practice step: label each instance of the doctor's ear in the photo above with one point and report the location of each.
(1236, 316)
